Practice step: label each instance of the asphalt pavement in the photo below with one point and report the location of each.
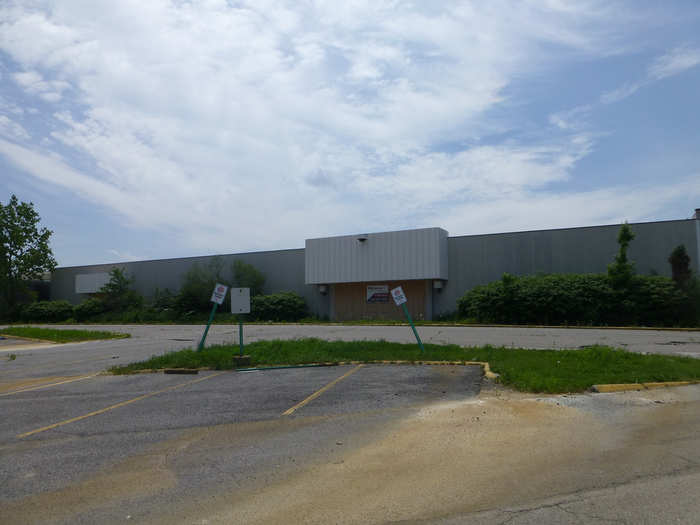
(33, 359)
(340, 444)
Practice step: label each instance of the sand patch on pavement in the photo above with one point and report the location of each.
(447, 458)
(458, 458)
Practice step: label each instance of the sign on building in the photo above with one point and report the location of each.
(219, 293)
(240, 300)
(377, 293)
(90, 282)
(398, 295)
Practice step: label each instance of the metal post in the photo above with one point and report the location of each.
(240, 335)
(206, 330)
(415, 332)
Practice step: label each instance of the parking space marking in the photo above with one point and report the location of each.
(112, 407)
(320, 391)
(39, 387)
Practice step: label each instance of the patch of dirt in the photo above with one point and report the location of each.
(458, 458)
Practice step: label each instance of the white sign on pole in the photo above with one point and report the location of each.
(399, 296)
(240, 300)
(219, 293)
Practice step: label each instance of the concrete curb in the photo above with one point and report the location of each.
(485, 366)
(487, 369)
(625, 387)
(31, 339)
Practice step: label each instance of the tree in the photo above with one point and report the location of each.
(24, 250)
(680, 266)
(621, 271)
(247, 276)
(197, 285)
(117, 294)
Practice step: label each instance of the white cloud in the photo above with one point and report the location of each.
(546, 210)
(11, 129)
(621, 93)
(34, 83)
(119, 256)
(276, 121)
(676, 61)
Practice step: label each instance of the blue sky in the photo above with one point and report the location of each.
(158, 129)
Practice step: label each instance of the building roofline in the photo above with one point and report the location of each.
(350, 235)
(378, 233)
(567, 228)
(177, 258)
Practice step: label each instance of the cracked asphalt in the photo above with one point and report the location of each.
(381, 444)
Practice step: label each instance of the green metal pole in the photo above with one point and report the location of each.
(240, 334)
(415, 332)
(206, 330)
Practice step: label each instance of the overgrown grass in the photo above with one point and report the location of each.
(60, 336)
(551, 371)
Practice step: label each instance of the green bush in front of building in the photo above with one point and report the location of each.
(46, 312)
(283, 306)
(617, 298)
(88, 309)
(582, 299)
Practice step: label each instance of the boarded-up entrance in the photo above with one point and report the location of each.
(354, 301)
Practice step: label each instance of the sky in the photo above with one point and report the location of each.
(146, 130)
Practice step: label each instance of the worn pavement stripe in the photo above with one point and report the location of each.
(47, 385)
(320, 391)
(112, 407)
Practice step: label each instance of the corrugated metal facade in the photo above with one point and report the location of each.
(400, 255)
(418, 255)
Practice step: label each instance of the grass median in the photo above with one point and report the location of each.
(550, 371)
(60, 336)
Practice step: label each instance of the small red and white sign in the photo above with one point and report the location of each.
(219, 293)
(399, 296)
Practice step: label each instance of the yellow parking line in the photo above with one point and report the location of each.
(48, 385)
(112, 407)
(321, 391)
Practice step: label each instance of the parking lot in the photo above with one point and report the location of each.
(341, 444)
(66, 428)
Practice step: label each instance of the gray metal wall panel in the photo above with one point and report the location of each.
(283, 270)
(411, 254)
(480, 259)
(473, 260)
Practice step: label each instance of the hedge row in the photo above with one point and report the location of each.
(284, 306)
(585, 299)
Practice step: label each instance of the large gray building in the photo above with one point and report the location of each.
(349, 277)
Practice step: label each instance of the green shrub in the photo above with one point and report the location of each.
(247, 276)
(283, 306)
(680, 266)
(89, 309)
(590, 299)
(163, 300)
(47, 311)
(197, 285)
(621, 270)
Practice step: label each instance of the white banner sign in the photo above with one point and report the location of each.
(399, 296)
(219, 293)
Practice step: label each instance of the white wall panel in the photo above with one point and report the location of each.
(410, 254)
